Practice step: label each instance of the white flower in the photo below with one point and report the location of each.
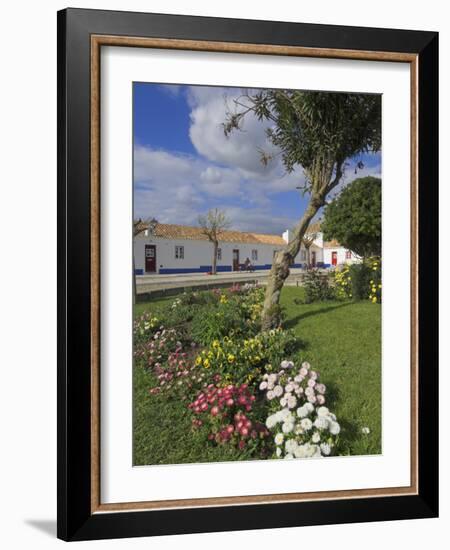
(302, 412)
(278, 452)
(320, 399)
(309, 391)
(299, 390)
(323, 411)
(321, 423)
(325, 449)
(271, 421)
(279, 438)
(286, 364)
(292, 402)
(272, 378)
(286, 415)
(316, 437)
(312, 398)
(291, 446)
(263, 385)
(287, 427)
(306, 365)
(311, 383)
(303, 372)
(306, 424)
(288, 456)
(298, 378)
(283, 401)
(365, 430)
(278, 391)
(334, 428)
(309, 407)
(313, 375)
(270, 395)
(289, 388)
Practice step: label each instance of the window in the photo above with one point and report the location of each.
(219, 253)
(303, 256)
(254, 254)
(179, 252)
(348, 254)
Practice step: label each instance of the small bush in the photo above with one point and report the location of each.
(375, 280)
(317, 287)
(360, 275)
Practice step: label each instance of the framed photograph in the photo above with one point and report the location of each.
(247, 252)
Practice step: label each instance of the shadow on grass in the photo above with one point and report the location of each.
(291, 323)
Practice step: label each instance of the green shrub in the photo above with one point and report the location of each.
(216, 322)
(374, 290)
(317, 287)
(360, 275)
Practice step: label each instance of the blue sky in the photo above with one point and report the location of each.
(184, 165)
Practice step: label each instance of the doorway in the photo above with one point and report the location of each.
(334, 258)
(236, 260)
(150, 258)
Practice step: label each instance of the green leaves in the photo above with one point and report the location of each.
(354, 217)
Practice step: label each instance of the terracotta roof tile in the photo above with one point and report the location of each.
(331, 244)
(173, 231)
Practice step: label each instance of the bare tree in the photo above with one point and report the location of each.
(308, 241)
(212, 225)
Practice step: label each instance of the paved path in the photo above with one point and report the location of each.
(152, 283)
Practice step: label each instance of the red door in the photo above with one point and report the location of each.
(235, 260)
(313, 258)
(334, 257)
(150, 258)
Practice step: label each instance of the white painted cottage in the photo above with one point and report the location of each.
(174, 249)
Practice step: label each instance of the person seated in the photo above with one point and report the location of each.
(248, 265)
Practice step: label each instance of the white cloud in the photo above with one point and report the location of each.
(243, 149)
(175, 188)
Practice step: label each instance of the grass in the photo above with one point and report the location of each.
(342, 340)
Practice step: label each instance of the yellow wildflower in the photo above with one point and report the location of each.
(374, 300)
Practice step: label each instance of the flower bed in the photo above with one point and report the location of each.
(242, 388)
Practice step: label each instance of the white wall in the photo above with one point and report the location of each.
(341, 256)
(199, 253)
(28, 351)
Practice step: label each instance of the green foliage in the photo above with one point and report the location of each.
(317, 287)
(243, 360)
(343, 283)
(375, 280)
(360, 276)
(214, 323)
(317, 130)
(354, 217)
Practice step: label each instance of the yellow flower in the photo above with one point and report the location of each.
(371, 282)
(231, 357)
(198, 361)
(379, 286)
(374, 300)
(206, 363)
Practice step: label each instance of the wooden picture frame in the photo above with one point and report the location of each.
(81, 35)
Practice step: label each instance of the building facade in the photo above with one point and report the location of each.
(177, 249)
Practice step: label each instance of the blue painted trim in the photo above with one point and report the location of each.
(139, 272)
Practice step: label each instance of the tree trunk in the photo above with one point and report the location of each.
(308, 258)
(214, 264)
(134, 279)
(280, 267)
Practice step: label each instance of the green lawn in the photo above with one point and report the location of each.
(341, 340)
